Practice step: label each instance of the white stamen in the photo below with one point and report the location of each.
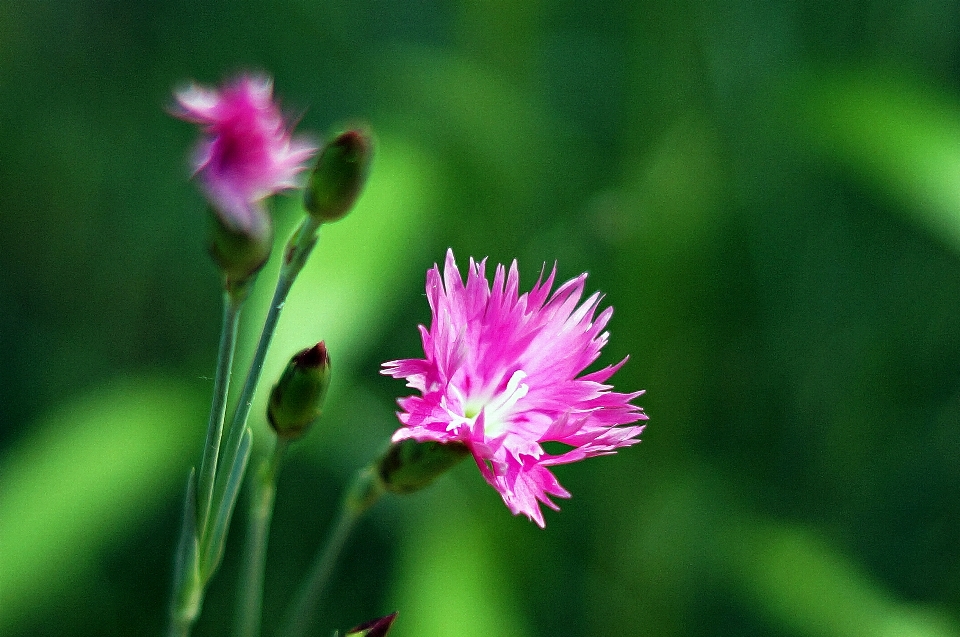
(498, 410)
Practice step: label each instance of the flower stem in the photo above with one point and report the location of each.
(188, 586)
(218, 406)
(294, 258)
(363, 494)
(211, 499)
(262, 498)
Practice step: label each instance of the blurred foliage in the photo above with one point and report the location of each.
(768, 193)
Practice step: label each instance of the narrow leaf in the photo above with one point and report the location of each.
(217, 536)
(186, 556)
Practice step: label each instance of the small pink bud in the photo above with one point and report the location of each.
(374, 628)
(297, 399)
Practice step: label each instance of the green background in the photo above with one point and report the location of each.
(767, 192)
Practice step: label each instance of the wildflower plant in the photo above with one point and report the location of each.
(503, 372)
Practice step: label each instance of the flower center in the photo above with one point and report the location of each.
(497, 410)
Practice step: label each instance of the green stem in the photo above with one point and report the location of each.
(363, 494)
(218, 406)
(294, 258)
(188, 587)
(262, 497)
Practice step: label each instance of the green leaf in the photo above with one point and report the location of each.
(226, 502)
(185, 565)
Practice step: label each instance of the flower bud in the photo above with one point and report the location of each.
(297, 398)
(374, 628)
(339, 175)
(409, 466)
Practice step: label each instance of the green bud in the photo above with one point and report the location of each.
(239, 252)
(409, 466)
(373, 628)
(339, 175)
(297, 398)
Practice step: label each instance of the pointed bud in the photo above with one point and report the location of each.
(297, 398)
(409, 466)
(239, 251)
(374, 628)
(339, 175)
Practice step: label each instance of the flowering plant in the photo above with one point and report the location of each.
(502, 373)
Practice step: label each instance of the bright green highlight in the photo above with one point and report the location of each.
(451, 577)
(809, 587)
(97, 466)
(900, 133)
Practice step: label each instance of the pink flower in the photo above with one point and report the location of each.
(501, 376)
(247, 153)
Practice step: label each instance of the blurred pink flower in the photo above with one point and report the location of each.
(501, 376)
(247, 153)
